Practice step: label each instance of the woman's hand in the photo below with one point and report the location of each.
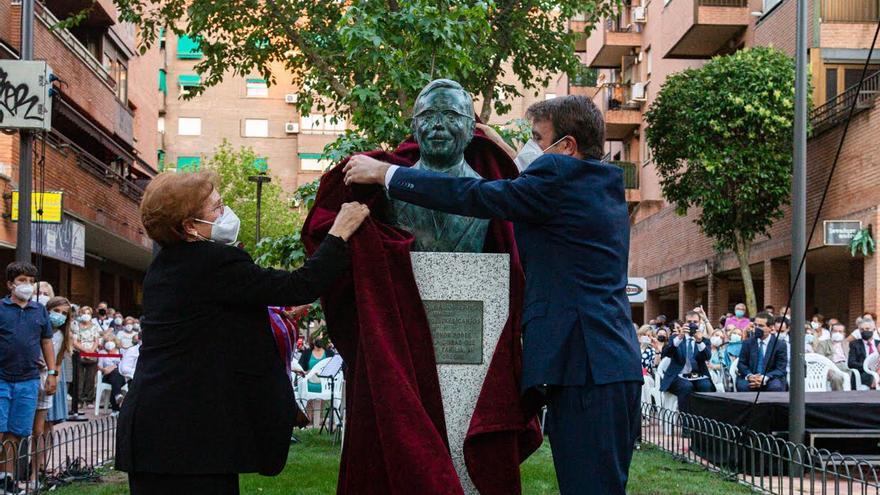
(349, 219)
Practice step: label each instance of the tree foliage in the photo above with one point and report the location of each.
(233, 168)
(721, 138)
(366, 60)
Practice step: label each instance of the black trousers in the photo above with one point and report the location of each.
(116, 382)
(593, 430)
(183, 484)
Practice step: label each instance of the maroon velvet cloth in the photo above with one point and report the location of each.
(395, 439)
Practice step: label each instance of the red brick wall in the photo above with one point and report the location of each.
(143, 86)
(778, 28)
(6, 20)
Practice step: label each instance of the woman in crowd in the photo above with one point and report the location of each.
(86, 339)
(109, 368)
(127, 333)
(45, 292)
(716, 361)
(211, 397)
(314, 355)
(646, 343)
(734, 344)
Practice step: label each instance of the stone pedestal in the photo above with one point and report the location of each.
(465, 295)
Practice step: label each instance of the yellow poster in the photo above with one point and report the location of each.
(50, 202)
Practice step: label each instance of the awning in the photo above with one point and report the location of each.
(189, 80)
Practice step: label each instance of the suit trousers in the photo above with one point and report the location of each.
(592, 431)
(683, 389)
(770, 385)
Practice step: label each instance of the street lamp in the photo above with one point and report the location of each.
(259, 179)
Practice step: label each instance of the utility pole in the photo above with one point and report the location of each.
(26, 148)
(259, 179)
(798, 232)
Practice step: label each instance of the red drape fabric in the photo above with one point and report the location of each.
(395, 441)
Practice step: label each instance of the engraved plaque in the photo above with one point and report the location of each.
(457, 331)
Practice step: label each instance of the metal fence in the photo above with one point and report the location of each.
(67, 454)
(765, 462)
(835, 110)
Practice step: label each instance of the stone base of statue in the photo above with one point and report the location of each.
(466, 297)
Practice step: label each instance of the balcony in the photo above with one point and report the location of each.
(621, 104)
(836, 110)
(612, 40)
(850, 11)
(630, 180)
(703, 28)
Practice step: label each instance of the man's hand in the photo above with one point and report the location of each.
(362, 169)
(698, 336)
(755, 381)
(51, 384)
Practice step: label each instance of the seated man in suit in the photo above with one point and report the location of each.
(837, 350)
(860, 348)
(687, 371)
(763, 359)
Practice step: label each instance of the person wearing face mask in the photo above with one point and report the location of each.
(86, 339)
(817, 323)
(646, 344)
(740, 317)
(763, 359)
(44, 292)
(688, 352)
(173, 401)
(25, 348)
(837, 350)
(126, 332)
(734, 344)
(109, 368)
(716, 361)
(568, 202)
(863, 346)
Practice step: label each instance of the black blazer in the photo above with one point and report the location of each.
(306, 355)
(211, 395)
(678, 357)
(857, 354)
(775, 364)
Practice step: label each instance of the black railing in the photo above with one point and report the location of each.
(723, 3)
(630, 173)
(766, 462)
(835, 110)
(71, 452)
(99, 169)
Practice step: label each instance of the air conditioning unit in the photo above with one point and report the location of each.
(291, 98)
(639, 14)
(638, 91)
(291, 128)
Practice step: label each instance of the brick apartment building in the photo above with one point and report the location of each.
(638, 49)
(100, 152)
(247, 112)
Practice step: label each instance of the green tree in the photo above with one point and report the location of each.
(233, 168)
(721, 137)
(366, 60)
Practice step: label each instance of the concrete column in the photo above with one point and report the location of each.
(687, 293)
(776, 283)
(719, 298)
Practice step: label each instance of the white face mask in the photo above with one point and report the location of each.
(43, 299)
(225, 229)
(85, 318)
(814, 325)
(129, 328)
(531, 152)
(836, 337)
(716, 341)
(110, 346)
(644, 339)
(24, 291)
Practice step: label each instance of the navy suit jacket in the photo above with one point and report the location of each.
(677, 358)
(775, 363)
(572, 231)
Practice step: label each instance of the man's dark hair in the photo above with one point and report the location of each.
(576, 116)
(769, 307)
(17, 268)
(691, 313)
(767, 316)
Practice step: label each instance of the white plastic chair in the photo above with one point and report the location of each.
(304, 395)
(733, 372)
(870, 367)
(819, 370)
(647, 389)
(857, 378)
(667, 400)
(100, 388)
(717, 380)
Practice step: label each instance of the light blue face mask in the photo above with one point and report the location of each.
(57, 319)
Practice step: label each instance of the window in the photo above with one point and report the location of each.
(649, 64)
(189, 126)
(188, 82)
(313, 162)
(257, 88)
(163, 81)
(321, 123)
(188, 48)
(261, 165)
(161, 126)
(549, 96)
(256, 128)
(830, 84)
(116, 65)
(188, 163)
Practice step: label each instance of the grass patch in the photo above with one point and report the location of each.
(313, 464)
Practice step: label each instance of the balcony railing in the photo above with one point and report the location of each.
(100, 170)
(834, 111)
(723, 3)
(630, 173)
(850, 10)
(619, 96)
(621, 24)
(49, 20)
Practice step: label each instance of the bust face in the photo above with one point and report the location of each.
(443, 125)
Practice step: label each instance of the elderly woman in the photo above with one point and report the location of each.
(211, 397)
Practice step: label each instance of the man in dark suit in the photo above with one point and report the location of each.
(763, 359)
(572, 231)
(859, 350)
(687, 371)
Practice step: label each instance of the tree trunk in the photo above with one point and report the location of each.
(742, 253)
(486, 110)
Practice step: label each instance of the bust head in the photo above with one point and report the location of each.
(443, 123)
